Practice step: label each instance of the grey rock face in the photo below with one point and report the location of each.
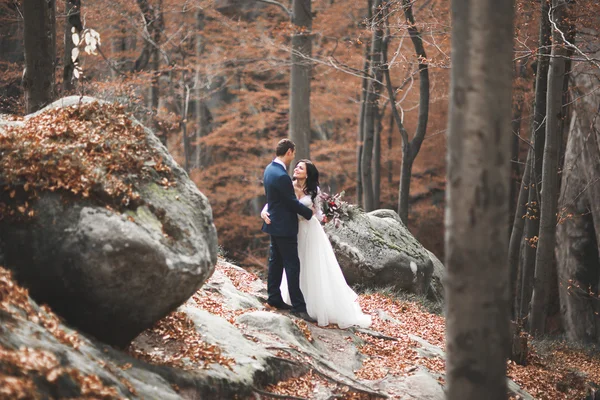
(113, 274)
(436, 287)
(578, 230)
(377, 250)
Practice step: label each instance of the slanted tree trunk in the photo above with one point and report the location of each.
(479, 137)
(39, 20)
(73, 20)
(554, 115)
(532, 219)
(371, 104)
(300, 76)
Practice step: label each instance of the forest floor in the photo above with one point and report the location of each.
(554, 370)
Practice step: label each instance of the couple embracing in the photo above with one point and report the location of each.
(304, 275)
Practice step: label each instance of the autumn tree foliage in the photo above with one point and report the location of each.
(223, 80)
(212, 78)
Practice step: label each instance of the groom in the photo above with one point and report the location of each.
(283, 209)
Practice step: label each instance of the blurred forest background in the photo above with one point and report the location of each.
(361, 86)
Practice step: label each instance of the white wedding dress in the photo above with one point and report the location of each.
(328, 297)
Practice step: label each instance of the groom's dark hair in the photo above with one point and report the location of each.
(283, 146)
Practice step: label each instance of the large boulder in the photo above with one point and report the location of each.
(578, 228)
(108, 229)
(376, 250)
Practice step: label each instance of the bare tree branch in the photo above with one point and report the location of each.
(278, 4)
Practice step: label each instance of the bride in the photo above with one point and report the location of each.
(328, 297)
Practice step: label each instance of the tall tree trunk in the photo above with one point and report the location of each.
(301, 71)
(532, 222)
(477, 200)
(516, 236)
(554, 115)
(538, 127)
(410, 148)
(118, 46)
(390, 141)
(73, 13)
(361, 122)
(152, 24)
(155, 64)
(377, 161)
(39, 20)
(415, 143)
(185, 101)
(520, 70)
(371, 104)
(200, 114)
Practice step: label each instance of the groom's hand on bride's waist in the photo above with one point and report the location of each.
(265, 216)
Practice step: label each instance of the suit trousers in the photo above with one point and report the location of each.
(283, 255)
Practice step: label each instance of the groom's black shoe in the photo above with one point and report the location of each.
(303, 315)
(281, 306)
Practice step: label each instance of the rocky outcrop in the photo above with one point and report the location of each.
(225, 343)
(110, 265)
(578, 228)
(377, 250)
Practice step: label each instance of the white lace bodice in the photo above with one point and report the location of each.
(316, 206)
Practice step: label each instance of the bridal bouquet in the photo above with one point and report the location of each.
(334, 208)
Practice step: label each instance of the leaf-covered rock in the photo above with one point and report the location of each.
(98, 221)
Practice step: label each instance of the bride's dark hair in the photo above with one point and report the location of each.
(311, 185)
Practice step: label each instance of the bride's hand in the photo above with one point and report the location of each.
(265, 216)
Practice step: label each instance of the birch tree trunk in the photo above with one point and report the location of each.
(554, 115)
(39, 20)
(301, 71)
(73, 14)
(479, 137)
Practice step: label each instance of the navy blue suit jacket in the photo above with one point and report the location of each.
(284, 207)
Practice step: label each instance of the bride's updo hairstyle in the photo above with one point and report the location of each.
(311, 185)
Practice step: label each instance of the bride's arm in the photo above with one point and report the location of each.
(318, 206)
